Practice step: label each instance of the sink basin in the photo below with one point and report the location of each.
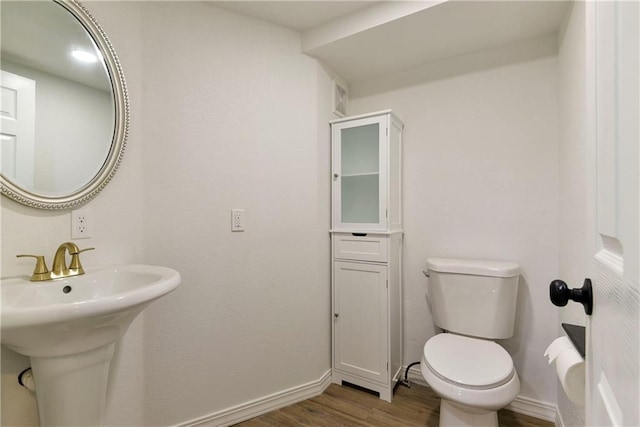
(76, 314)
(68, 327)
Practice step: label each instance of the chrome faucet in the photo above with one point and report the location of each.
(60, 268)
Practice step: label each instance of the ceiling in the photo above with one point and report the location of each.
(296, 15)
(369, 39)
(358, 40)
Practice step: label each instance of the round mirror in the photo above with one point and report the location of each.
(65, 110)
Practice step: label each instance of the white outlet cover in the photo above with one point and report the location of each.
(81, 227)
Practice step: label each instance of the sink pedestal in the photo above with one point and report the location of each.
(69, 327)
(71, 390)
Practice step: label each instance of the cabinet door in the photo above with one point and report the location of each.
(359, 173)
(360, 316)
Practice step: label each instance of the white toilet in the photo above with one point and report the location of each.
(474, 302)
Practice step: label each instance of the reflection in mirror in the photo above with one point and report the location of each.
(64, 104)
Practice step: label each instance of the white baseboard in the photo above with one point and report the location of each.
(522, 405)
(254, 408)
(262, 405)
(535, 408)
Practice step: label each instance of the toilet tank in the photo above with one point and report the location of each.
(473, 297)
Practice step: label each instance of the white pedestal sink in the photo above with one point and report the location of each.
(68, 327)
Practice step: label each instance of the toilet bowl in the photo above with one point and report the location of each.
(473, 377)
(475, 302)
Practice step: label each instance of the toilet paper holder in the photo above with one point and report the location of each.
(560, 294)
(576, 334)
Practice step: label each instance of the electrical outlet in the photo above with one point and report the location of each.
(81, 224)
(237, 219)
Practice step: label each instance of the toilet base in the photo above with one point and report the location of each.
(454, 414)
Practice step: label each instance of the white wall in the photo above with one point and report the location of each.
(235, 112)
(574, 205)
(480, 181)
(226, 113)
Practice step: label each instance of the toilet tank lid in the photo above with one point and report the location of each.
(474, 267)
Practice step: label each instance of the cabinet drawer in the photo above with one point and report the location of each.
(363, 248)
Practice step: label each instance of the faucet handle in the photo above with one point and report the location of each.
(81, 250)
(75, 260)
(40, 272)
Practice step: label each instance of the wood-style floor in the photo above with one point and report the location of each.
(348, 406)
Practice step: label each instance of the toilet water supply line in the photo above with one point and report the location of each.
(406, 381)
(25, 379)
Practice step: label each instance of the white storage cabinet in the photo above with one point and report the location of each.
(367, 251)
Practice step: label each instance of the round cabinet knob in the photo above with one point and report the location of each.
(560, 294)
(335, 176)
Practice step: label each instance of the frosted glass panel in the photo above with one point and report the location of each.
(360, 148)
(360, 199)
(360, 160)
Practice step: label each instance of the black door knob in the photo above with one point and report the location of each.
(560, 294)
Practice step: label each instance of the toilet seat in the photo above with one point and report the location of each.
(467, 362)
(463, 360)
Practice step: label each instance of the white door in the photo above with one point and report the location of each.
(360, 316)
(613, 331)
(17, 128)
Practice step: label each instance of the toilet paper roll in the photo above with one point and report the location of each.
(569, 367)
(556, 347)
